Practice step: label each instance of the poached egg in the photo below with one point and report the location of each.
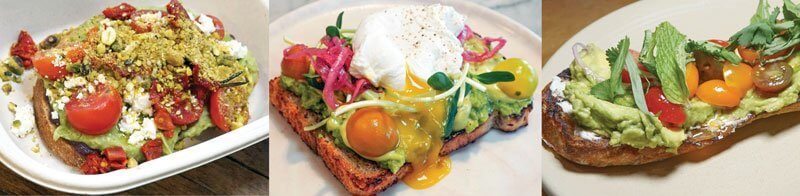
(422, 40)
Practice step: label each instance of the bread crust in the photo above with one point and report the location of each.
(59, 147)
(559, 134)
(358, 175)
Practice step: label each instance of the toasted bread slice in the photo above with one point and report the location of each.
(61, 148)
(358, 175)
(560, 134)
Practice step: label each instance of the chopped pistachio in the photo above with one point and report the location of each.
(16, 79)
(132, 163)
(12, 107)
(7, 88)
(16, 123)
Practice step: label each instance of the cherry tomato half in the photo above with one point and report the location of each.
(43, 63)
(218, 110)
(718, 93)
(96, 113)
(295, 63)
(748, 55)
(670, 114)
(773, 77)
(219, 31)
(739, 76)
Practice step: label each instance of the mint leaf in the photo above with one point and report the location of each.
(713, 50)
(664, 55)
(611, 87)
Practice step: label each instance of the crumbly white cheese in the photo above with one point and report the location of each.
(72, 82)
(147, 132)
(151, 18)
(588, 135)
(557, 87)
(206, 24)
(235, 48)
(138, 98)
(24, 116)
(59, 61)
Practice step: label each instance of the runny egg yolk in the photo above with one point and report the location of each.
(421, 133)
(371, 132)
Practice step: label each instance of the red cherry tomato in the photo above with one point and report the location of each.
(218, 110)
(152, 149)
(219, 31)
(749, 56)
(670, 114)
(175, 8)
(120, 12)
(96, 113)
(25, 49)
(44, 66)
(722, 43)
(295, 63)
(163, 121)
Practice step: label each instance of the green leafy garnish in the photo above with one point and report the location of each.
(332, 31)
(790, 10)
(663, 54)
(760, 31)
(636, 85)
(714, 50)
(440, 81)
(611, 87)
(452, 110)
(339, 20)
(495, 77)
(314, 81)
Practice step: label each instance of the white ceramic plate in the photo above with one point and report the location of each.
(757, 160)
(497, 164)
(245, 19)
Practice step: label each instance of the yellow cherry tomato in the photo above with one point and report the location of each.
(717, 93)
(692, 78)
(525, 80)
(371, 132)
(738, 76)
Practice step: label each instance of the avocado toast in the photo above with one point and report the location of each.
(413, 121)
(679, 95)
(131, 85)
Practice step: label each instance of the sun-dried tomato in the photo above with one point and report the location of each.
(175, 8)
(25, 48)
(94, 164)
(152, 149)
(120, 12)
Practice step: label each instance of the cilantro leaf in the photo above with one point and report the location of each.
(664, 55)
(713, 50)
(790, 10)
(611, 87)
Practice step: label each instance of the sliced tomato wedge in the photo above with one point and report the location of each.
(96, 113)
(152, 149)
(218, 109)
(670, 114)
(25, 49)
(722, 43)
(120, 12)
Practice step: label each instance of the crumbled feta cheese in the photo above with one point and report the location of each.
(73, 82)
(59, 61)
(129, 122)
(23, 121)
(151, 18)
(588, 135)
(61, 102)
(147, 132)
(557, 87)
(235, 48)
(101, 79)
(138, 98)
(206, 24)
(54, 115)
(80, 95)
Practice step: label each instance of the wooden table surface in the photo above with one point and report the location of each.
(242, 173)
(561, 19)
